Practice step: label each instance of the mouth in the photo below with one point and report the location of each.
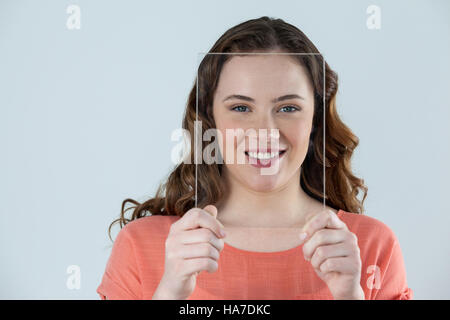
(264, 155)
(264, 159)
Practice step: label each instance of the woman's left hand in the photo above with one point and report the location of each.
(334, 254)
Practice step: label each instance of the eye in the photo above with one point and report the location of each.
(234, 108)
(292, 108)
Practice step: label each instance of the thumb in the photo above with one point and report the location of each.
(213, 211)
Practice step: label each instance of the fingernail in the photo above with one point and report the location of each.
(222, 233)
(303, 236)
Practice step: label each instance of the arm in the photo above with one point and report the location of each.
(121, 279)
(393, 285)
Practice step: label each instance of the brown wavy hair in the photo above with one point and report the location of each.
(177, 195)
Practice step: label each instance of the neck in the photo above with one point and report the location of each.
(285, 206)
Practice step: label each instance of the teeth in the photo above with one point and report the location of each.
(263, 155)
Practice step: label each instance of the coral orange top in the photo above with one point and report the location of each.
(136, 265)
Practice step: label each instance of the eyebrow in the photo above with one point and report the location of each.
(282, 98)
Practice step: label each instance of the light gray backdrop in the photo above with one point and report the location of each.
(86, 117)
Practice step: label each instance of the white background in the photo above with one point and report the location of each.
(86, 117)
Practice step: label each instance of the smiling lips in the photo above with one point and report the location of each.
(264, 159)
(269, 154)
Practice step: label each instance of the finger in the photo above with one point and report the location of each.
(323, 253)
(344, 265)
(196, 218)
(324, 219)
(196, 265)
(213, 211)
(201, 235)
(199, 250)
(322, 237)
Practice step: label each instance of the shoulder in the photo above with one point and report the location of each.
(154, 226)
(383, 269)
(136, 262)
(143, 239)
(378, 244)
(370, 231)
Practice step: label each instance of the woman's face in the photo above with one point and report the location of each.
(263, 79)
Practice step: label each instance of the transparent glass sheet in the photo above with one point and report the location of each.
(258, 145)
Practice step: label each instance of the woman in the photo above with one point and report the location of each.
(288, 235)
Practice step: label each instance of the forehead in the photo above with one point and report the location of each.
(270, 74)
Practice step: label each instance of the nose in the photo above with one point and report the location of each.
(267, 131)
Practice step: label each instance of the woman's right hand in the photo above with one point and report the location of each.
(193, 245)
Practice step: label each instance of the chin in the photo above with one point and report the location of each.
(263, 183)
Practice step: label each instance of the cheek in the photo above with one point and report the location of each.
(222, 127)
(298, 136)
